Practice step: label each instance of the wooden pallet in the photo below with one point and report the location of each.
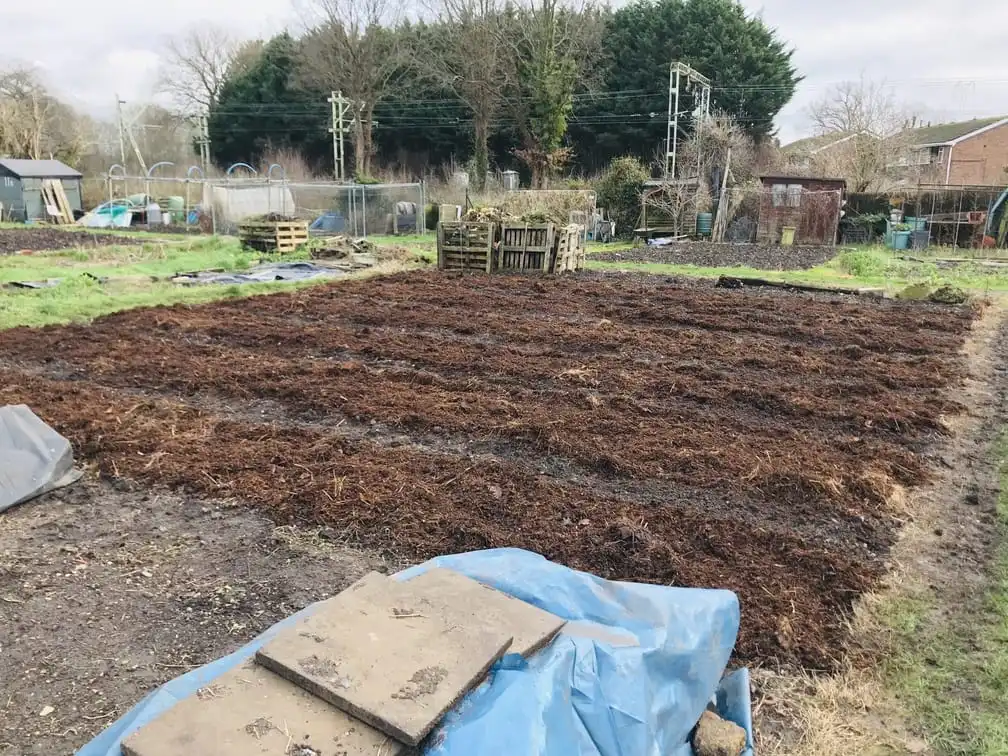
(273, 236)
(570, 251)
(466, 246)
(526, 247)
(57, 205)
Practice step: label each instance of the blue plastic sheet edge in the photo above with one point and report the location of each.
(581, 694)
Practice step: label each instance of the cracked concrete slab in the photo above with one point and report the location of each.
(251, 711)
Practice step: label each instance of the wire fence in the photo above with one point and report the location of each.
(218, 205)
(744, 215)
(933, 215)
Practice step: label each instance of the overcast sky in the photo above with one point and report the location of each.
(945, 64)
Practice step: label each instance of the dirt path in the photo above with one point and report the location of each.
(107, 592)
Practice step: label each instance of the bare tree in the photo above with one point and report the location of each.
(24, 114)
(350, 46)
(855, 106)
(477, 63)
(869, 130)
(194, 68)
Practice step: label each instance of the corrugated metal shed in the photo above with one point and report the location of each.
(39, 168)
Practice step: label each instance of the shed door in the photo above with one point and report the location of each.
(10, 198)
(34, 204)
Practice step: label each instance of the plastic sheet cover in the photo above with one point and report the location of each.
(34, 459)
(629, 675)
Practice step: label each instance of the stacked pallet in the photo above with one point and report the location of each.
(570, 251)
(370, 671)
(57, 205)
(472, 246)
(466, 246)
(273, 235)
(526, 247)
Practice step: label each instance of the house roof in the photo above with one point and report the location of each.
(39, 169)
(950, 133)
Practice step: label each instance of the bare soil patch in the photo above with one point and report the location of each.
(107, 591)
(14, 240)
(726, 255)
(636, 427)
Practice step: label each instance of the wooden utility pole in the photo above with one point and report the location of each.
(122, 135)
(721, 221)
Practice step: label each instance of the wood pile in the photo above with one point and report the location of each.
(273, 235)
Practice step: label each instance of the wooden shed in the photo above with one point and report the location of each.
(812, 206)
(21, 187)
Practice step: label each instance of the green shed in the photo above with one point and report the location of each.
(21, 187)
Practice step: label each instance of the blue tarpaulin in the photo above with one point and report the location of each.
(631, 674)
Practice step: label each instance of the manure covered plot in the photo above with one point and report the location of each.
(641, 428)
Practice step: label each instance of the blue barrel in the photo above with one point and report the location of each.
(704, 224)
(901, 239)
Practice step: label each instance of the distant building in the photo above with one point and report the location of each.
(812, 206)
(21, 187)
(969, 153)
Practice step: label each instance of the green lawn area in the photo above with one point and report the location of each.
(137, 276)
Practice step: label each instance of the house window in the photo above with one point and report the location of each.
(935, 155)
(8, 181)
(779, 195)
(794, 193)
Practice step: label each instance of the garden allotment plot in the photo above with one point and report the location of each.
(640, 428)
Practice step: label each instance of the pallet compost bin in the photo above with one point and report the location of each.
(273, 236)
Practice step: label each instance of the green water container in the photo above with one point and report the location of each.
(704, 224)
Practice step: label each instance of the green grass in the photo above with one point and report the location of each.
(137, 276)
(869, 267)
(157, 258)
(952, 673)
(80, 299)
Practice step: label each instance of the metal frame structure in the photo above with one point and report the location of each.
(679, 71)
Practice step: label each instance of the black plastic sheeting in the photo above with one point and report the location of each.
(265, 273)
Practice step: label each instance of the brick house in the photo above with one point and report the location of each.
(812, 206)
(969, 153)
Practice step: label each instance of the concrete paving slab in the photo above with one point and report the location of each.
(386, 655)
(251, 711)
(471, 604)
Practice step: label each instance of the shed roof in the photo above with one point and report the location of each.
(951, 132)
(804, 179)
(39, 169)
